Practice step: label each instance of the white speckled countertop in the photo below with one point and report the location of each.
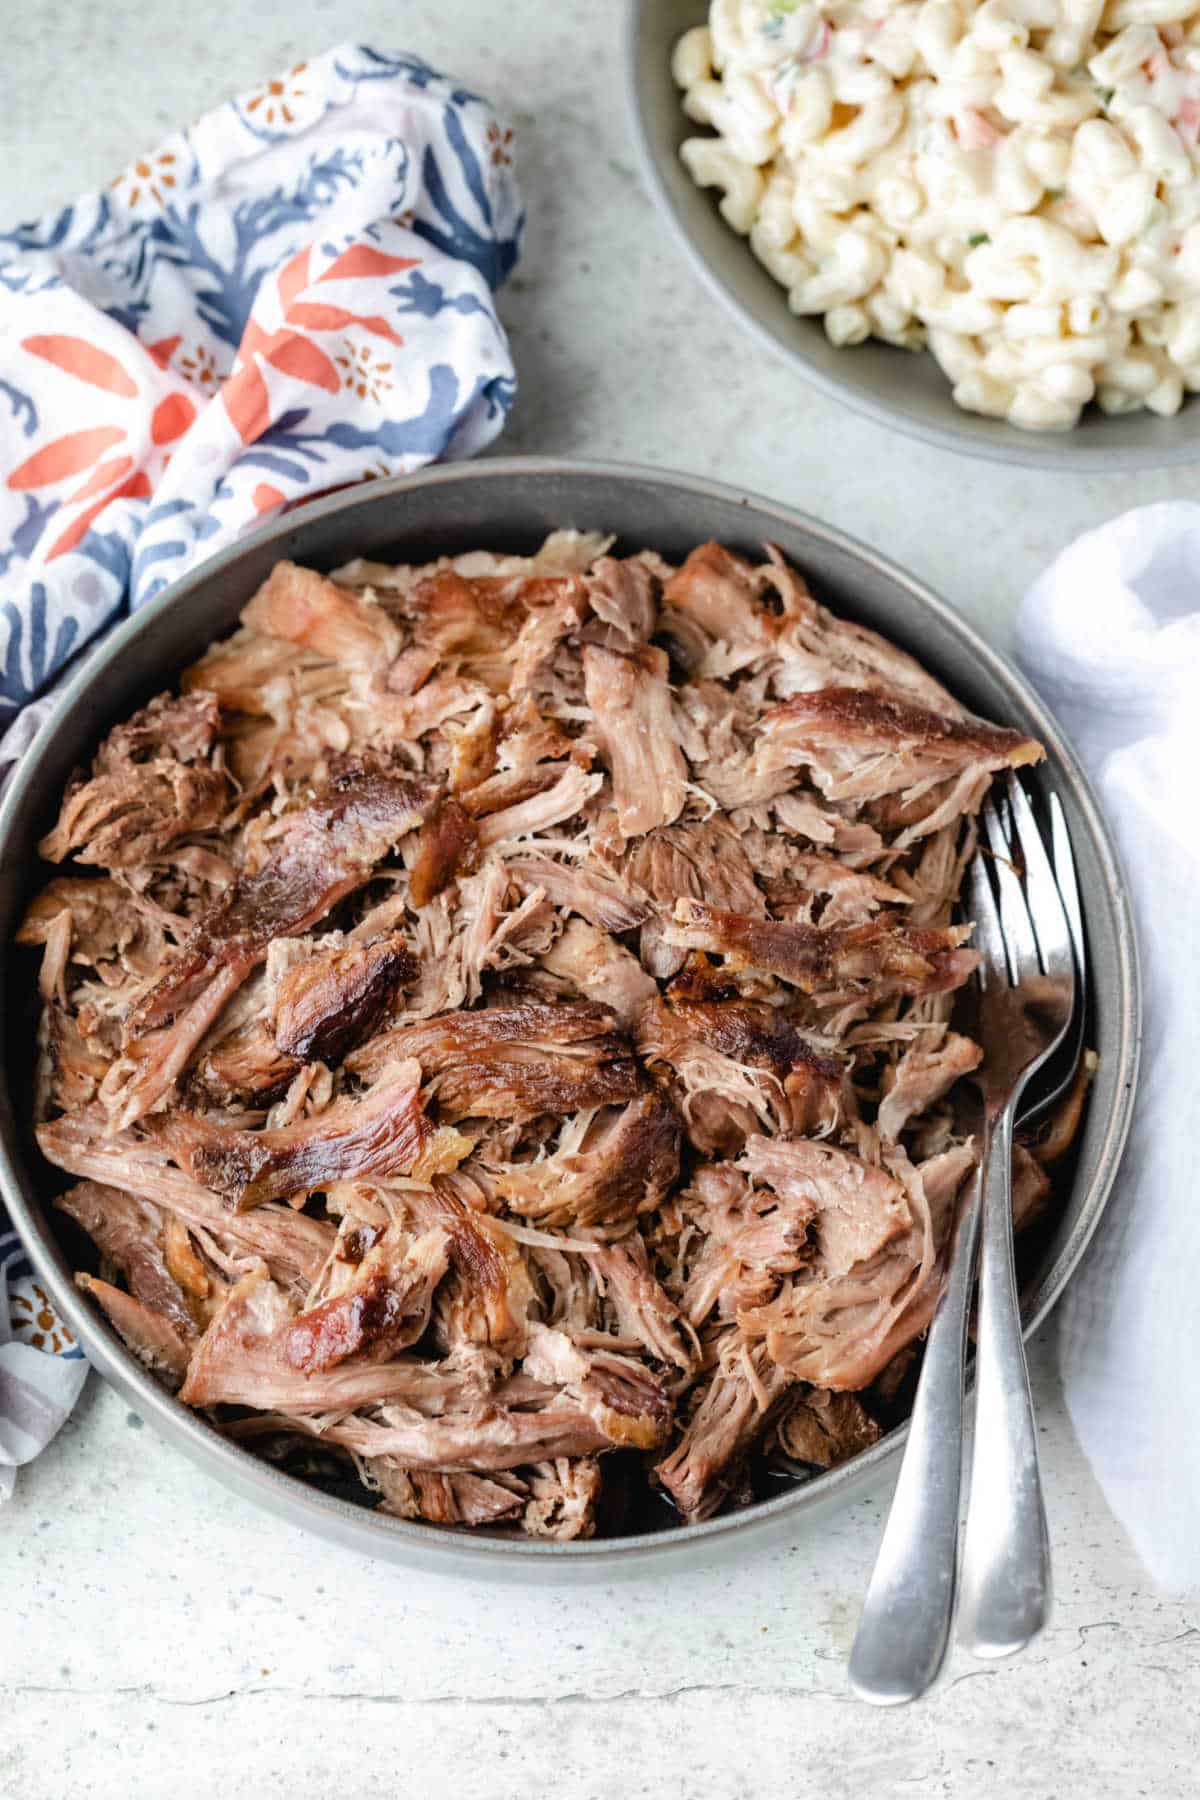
(159, 1637)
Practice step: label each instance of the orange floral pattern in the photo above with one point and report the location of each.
(149, 178)
(277, 102)
(85, 452)
(499, 139)
(363, 372)
(291, 350)
(35, 1321)
(199, 366)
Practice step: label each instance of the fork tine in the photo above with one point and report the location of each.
(1068, 883)
(988, 938)
(1046, 911)
(1014, 914)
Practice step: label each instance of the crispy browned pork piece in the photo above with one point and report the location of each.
(248, 1357)
(323, 852)
(294, 1245)
(740, 1065)
(169, 1287)
(384, 1306)
(629, 1403)
(151, 783)
(135, 1235)
(514, 1062)
(488, 1295)
(608, 1165)
(328, 1001)
(832, 962)
(245, 1066)
(382, 1133)
(859, 745)
(701, 859)
(161, 1346)
(446, 1499)
(448, 841)
(507, 1015)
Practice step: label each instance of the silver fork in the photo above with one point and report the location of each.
(1026, 1006)
(1057, 1076)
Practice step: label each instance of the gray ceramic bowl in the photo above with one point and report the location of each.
(893, 387)
(511, 506)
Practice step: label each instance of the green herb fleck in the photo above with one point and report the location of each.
(1105, 96)
(1053, 194)
(978, 237)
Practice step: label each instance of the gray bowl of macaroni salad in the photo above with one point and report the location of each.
(975, 221)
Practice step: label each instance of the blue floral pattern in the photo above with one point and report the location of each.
(293, 294)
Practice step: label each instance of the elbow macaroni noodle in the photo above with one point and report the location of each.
(1014, 184)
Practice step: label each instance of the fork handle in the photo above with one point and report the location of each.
(905, 1623)
(1005, 1592)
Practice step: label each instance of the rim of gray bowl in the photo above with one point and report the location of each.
(432, 1545)
(1080, 451)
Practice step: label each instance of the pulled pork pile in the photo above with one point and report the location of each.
(500, 1014)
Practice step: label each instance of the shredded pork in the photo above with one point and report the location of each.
(499, 1014)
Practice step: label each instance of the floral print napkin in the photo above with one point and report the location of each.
(294, 294)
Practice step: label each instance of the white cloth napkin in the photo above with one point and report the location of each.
(1110, 635)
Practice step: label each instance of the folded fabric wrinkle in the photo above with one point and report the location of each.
(1111, 636)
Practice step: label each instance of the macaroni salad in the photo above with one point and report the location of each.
(1014, 184)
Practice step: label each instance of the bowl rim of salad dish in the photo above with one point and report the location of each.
(904, 391)
(510, 504)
